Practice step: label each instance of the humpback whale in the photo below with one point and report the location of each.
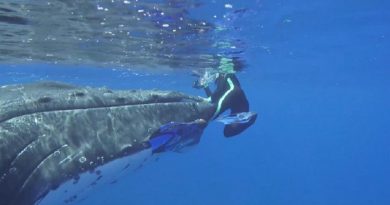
(53, 134)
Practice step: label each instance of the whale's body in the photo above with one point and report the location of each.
(53, 134)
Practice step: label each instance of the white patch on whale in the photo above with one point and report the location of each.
(74, 191)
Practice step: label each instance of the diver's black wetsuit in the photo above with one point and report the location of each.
(229, 95)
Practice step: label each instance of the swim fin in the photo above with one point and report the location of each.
(237, 122)
(175, 136)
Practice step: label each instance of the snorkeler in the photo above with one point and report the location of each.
(228, 95)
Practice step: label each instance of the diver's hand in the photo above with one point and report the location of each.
(197, 85)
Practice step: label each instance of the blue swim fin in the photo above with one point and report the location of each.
(160, 140)
(237, 118)
(175, 136)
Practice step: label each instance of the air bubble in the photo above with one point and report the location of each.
(228, 6)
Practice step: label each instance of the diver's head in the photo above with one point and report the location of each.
(231, 65)
(238, 64)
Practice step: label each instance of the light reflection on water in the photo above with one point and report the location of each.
(151, 34)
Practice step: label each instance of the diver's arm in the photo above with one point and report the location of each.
(208, 91)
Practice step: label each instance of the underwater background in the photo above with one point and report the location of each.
(317, 74)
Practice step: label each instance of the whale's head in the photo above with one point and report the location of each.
(52, 134)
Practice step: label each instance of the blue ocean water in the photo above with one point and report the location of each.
(317, 75)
